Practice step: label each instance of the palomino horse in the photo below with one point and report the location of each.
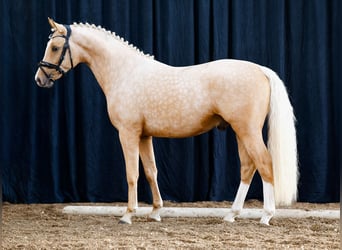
(147, 98)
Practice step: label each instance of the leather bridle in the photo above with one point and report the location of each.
(43, 64)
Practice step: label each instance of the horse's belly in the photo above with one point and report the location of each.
(178, 128)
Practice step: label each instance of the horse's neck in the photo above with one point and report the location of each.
(108, 58)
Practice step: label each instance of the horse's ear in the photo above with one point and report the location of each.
(55, 26)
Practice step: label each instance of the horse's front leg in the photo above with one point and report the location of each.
(130, 146)
(148, 160)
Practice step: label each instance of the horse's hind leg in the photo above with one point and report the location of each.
(257, 151)
(147, 158)
(247, 172)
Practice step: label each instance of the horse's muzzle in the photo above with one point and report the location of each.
(45, 83)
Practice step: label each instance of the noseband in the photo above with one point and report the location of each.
(43, 64)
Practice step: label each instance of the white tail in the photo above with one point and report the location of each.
(282, 143)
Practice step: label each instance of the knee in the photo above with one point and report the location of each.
(151, 174)
(132, 180)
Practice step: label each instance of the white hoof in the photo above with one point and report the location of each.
(126, 219)
(265, 219)
(230, 217)
(154, 217)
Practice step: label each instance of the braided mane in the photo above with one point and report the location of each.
(115, 36)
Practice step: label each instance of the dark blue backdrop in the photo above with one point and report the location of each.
(57, 145)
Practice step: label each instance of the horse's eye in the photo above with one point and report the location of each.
(54, 48)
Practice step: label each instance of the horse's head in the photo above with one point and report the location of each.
(55, 63)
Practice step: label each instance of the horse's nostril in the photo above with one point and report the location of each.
(39, 82)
